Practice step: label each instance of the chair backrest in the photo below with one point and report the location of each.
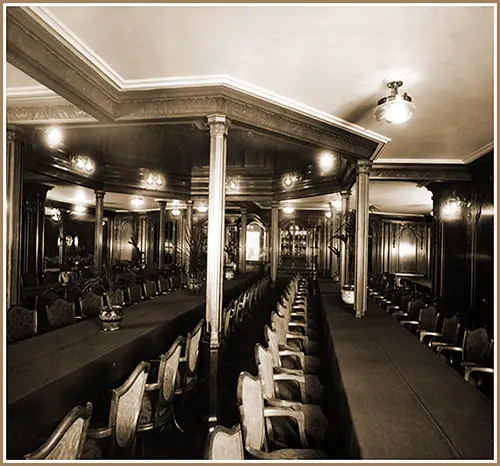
(61, 313)
(265, 366)
(193, 347)
(149, 288)
(451, 328)
(21, 323)
(224, 444)
(428, 319)
(228, 316)
(280, 326)
(272, 343)
(67, 441)
(251, 408)
(135, 292)
(91, 304)
(476, 346)
(167, 371)
(414, 307)
(125, 408)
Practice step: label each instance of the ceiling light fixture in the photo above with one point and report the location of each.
(337, 204)
(288, 210)
(154, 178)
(231, 185)
(137, 201)
(202, 208)
(53, 137)
(175, 212)
(328, 214)
(396, 108)
(326, 161)
(80, 209)
(83, 163)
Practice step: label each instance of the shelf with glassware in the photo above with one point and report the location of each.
(294, 244)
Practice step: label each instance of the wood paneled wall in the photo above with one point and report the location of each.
(399, 245)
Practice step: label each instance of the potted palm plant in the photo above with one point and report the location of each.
(346, 233)
(196, 258)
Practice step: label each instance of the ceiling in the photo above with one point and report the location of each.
(330, 58)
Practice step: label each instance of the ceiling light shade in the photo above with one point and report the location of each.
(150, 179)
(202, 208)
(337, 204)
(80, 209)
(396, 108)
(175, 212)
(83, 163)
(288, 210)
(326, 160)
(53, 137)
(137, 201)
(288, 181)
(232, 185)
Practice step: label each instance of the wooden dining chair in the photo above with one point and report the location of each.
(224, 444)
(253, 417)
(187, 375)
(124, 410)
(67, 440)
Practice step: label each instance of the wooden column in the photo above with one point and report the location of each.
(62, 242)
(344, 251)
(99, 217)
(275, 240)
(361, 242)
(243, 241)
(324, 247)
(334, 269)
(14, 178)
(437, 239)
(328, 257)
(188, 232)
(111, 238)
(161, 234)
(215, 252)
(179, 244)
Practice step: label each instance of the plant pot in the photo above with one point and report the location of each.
(111, 318)
(194, 285)
(347, 294)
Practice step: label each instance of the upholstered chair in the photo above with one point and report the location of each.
(294, 339)
(427, 321)
(224, 444)
(22, 323)
(253, 416)
(289, 357)
(135, 292)
(149, 289)
(118, 438)
(187, 375)
(272, 377)
(61, 313)
(91, 304)
(447, 336)
(68, 439)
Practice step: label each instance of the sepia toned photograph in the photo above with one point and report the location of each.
(249, 231)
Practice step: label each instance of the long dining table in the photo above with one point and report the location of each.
(49, 374)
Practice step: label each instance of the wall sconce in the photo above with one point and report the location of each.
(53, 137)
(76, 241)
(291, 179)
(328, 214)
(231, 185)
(288, 210)
(202, 208)
(83, 163)
(154, 179)
(175, 212)
(55, 214)
(451, 208)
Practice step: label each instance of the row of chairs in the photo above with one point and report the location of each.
(144, 403)
(52, 311)
(279, 413)
(470, 351)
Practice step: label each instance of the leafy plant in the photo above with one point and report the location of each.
(346, 233)
(195, 252)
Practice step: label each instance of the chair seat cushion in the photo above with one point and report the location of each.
(290, 390)
(285, 429)
(311, 347)
(312, 363)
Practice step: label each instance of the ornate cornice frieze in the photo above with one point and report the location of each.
(419, 172)
(67, 113)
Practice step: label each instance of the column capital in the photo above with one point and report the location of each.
(275, 204)
(99, 194)
(363, 167)
(243, 210)
(189, 203)
(219, 124)
(162, 204)
(345, 194)
(15, 133)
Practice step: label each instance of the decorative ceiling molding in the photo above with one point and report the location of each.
(419, 172)
(486, 149)
(41, 47)
(34, 48)
(416, 161)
